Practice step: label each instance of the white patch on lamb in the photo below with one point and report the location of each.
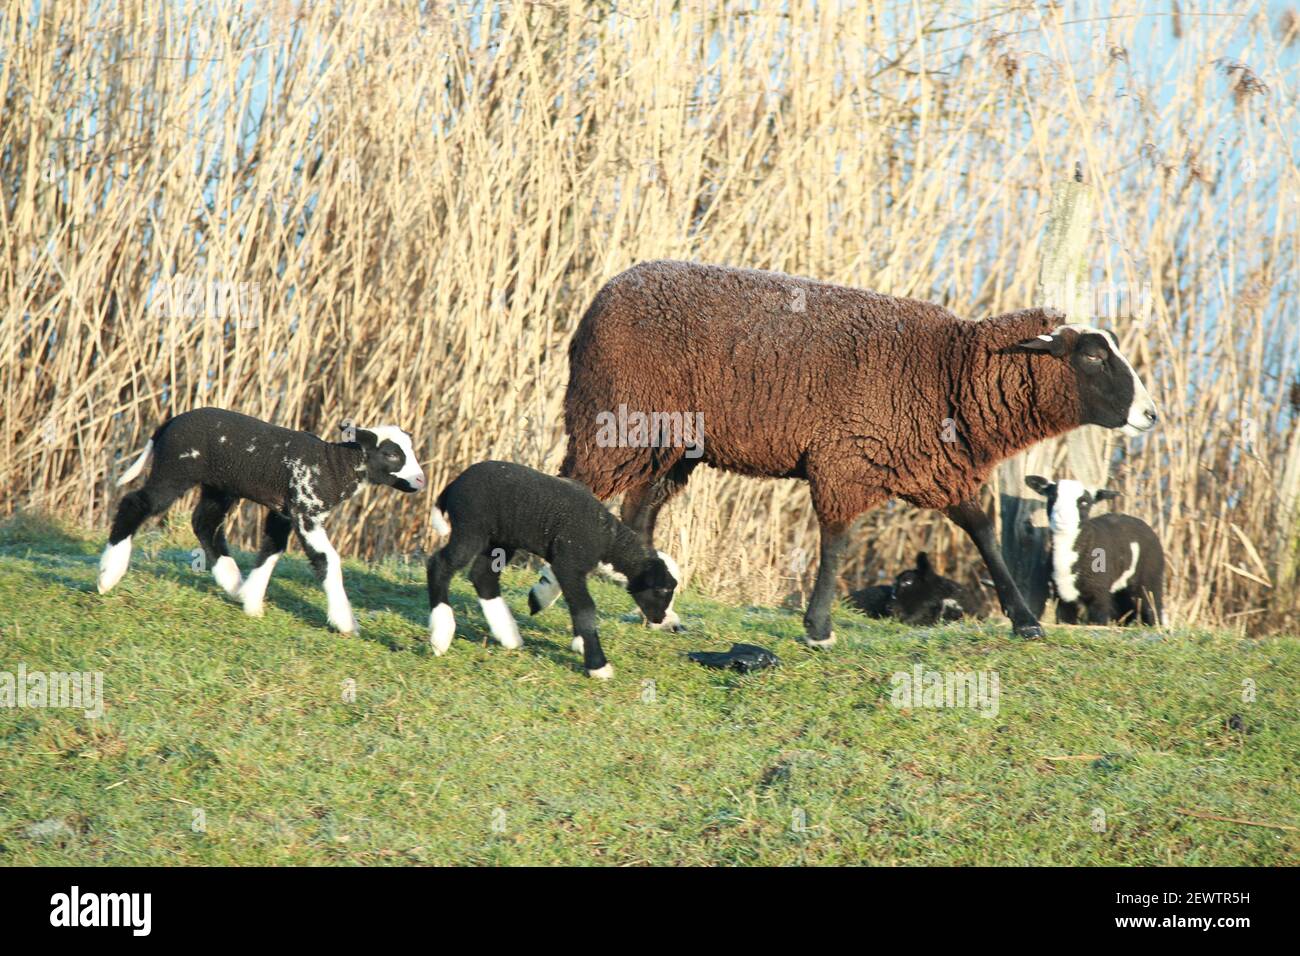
(547, 590)
(1065, 532)
(113, 564)
(192, 453)
(1122, 581)
(442, 628)
(226, 573)
(671, 621)
(303, 487)
(501, 622)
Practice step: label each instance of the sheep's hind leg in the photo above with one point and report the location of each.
(485, 574)
(207, 520)
(275, 538)
(134, 510)
(817, 619)
(970, 517)
(438, 572)
(329, 571)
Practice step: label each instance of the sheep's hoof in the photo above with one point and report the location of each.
(829, 641)
(254, 610)
(602, 673)
(1029, 631)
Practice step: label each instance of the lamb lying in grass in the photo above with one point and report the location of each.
(298, 477)
(495, 508)
(920, 596)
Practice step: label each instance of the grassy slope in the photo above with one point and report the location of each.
(246, 720)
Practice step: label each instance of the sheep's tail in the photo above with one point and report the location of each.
(134, 471)
(441, 520)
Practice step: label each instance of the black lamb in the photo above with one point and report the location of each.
(920, 596)
(296, 476)
(495, 508)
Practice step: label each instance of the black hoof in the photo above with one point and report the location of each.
(533, 604)
(1032, 632)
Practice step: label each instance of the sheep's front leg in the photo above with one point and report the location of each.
(970, 517)
(582, 609)
(275, 538)
(817, 619)
(329, 571)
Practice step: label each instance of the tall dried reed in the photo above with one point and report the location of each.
(398, 212)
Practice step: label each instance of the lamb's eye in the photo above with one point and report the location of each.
(1093, 358)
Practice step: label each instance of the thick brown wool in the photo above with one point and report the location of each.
(853, 390)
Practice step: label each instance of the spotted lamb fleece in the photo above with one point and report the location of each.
(296, 476)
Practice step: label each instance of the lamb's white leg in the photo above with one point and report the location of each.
(113, 564)
(226, 572)
(501, 622)
(253, 590)
(442, 628)
(340, 609)
(544, 593)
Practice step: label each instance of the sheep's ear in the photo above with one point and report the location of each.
(1057, 344)
(1038, 483)
(1105, 495)
(923, 563)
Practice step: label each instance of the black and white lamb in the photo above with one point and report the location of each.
(495, 508)
(865, 396)
(296, 476)
(1112, 566)
(920, 596)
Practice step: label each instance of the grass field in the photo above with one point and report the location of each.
(227, 740)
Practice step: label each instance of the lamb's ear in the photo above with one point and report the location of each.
(1105, 495)
(923, 564)
(1039, 484)
(365, 438)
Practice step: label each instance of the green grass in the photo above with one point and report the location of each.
(492, 756)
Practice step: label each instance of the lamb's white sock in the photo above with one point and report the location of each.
(113, 564)
(501, 622)
(442, 628)
(226, 573)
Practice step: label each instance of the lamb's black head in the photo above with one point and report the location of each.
(389, 456)
(1068, 502)
(1109, 391)
(652, 588)
(923, 596)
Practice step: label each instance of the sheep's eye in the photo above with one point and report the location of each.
(1094, 357)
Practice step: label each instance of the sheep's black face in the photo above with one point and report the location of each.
(1110, 393)
(652, 588)
(390, 458)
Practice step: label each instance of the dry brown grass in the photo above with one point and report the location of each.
(417, 229)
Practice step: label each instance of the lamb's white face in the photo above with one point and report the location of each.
(1068, 506)
(393, 457)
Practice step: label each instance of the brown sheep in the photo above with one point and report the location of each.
(864, 395)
